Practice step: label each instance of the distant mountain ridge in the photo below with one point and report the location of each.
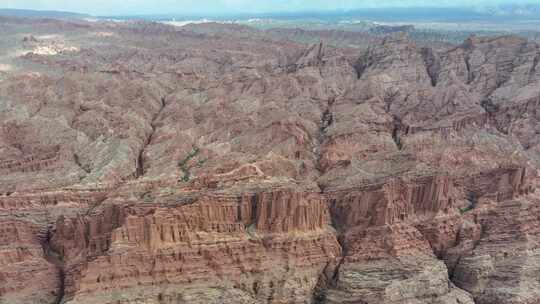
(40, 14)
(517, 10)
(414, 13)
(446, 14)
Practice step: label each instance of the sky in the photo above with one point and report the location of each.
(225, 7)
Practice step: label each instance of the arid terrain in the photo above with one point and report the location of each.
(220, 164)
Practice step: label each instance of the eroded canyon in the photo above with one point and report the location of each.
(146, 163)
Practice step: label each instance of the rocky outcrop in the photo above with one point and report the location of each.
(25, 275)
(253, 243)
(421, 279)
(499, 243)
(500, 184)
(403, 224)
(393, 202)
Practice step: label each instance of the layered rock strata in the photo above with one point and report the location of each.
(145, 163)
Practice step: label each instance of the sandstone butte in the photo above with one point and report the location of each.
(143, 163)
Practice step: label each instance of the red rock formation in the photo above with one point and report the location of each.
(217, 164)
(501, 243)
(25, 275)
(213, 237)
(393, 202)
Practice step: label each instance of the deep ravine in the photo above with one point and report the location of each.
(139, 172)
(56, 259)
(327, 119)
(396, 132)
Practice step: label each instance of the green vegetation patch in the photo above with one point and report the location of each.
(186, 164)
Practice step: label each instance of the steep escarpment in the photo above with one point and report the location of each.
(390, 234)
(144, 163)
(506, 246)
(268, 246)
(415, 225)
(436, 127)
(25, 274)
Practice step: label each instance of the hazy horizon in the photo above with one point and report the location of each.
(231, 7)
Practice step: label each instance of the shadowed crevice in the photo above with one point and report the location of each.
(433, 65)
(139, 172)
(327, 120)
(397, 132)
(55, 258)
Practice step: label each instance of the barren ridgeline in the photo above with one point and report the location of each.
(147, 163)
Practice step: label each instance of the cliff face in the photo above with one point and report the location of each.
(268, 246)
(26, 276)
(504, 244)
(142, 163)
